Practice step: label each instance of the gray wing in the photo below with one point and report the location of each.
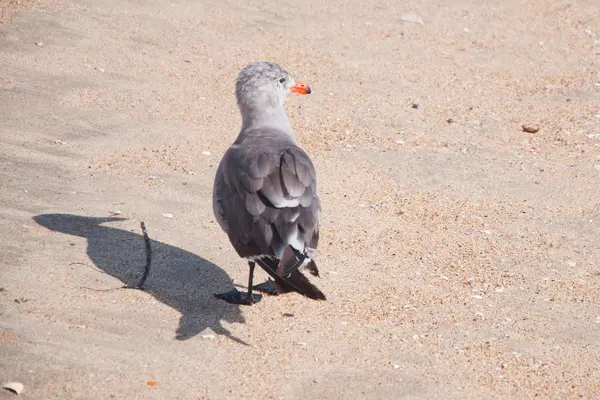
(265, 199)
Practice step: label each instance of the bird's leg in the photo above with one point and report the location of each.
(237, 297)
(251, 265)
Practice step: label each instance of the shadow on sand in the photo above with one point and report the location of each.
(178, 278)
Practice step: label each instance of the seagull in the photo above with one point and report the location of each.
(265, 189)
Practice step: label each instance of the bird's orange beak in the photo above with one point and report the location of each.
(300, 88)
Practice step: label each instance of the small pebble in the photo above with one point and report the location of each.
(116, 212)
(415, 105)
(40, 44)
(412, 17)
(477, 297)
(167, 215)
(15, 387)
(206, 153)
(530, 128)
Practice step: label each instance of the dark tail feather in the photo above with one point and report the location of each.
(295, 282)
(312, 268)
(300, 283)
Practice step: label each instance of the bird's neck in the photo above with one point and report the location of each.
(267, 117)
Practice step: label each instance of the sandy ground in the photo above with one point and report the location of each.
(460, 255)
(9, 7)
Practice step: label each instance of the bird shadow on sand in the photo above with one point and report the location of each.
(178, 278)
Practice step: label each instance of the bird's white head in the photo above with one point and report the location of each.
(262, 85)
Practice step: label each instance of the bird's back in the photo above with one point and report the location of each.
(265, 195)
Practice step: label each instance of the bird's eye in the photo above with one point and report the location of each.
(281, 80)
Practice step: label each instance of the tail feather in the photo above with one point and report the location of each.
(295, 282)
(312, 268)
(300, 283)
(290, 261)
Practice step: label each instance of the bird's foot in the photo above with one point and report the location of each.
(267, 287)
(239, 298)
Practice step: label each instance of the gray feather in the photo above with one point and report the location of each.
(265, 194)
(254, 204)
(291, 183)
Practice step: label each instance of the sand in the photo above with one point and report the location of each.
(459, 254)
